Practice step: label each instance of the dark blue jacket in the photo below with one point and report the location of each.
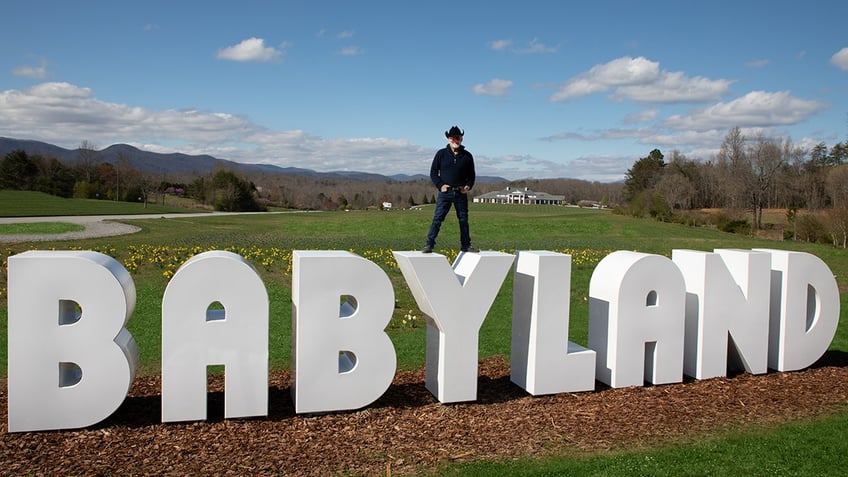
(453, 170)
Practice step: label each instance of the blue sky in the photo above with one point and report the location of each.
(542, 89)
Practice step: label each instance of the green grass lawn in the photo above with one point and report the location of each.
(37, 204)
(162, 245)
(816, 448)
(37, 228)
(155, 252)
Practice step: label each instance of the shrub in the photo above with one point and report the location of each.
(809, 228)
(730, 223)
(693, 218)
(649, 203)
(738, 226)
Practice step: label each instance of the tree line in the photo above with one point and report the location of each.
(749, 174)
(90, 177)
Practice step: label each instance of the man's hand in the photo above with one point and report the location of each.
(445, 188)
(465, 189)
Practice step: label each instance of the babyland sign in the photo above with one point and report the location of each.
(651, 318)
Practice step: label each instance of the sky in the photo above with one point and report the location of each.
(542, 89)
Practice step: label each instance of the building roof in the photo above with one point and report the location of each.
(511, 192)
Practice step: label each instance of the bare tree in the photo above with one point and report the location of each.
(767, 157)
(837, 186)
(751, 171)
(87, 158)
(677, 190)
(732, 168)
(710, 191)
(837, 221)
(121, 168)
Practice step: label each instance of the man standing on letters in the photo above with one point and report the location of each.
(452, 172)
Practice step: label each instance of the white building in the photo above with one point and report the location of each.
(523, 196)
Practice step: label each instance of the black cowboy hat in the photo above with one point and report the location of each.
(455, 132)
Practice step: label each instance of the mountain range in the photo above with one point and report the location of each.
(196, 165)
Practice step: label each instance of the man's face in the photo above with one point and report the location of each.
(455, 142)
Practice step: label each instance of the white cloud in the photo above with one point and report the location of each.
(674, 88)
(646, 115)
(601, 168)
(288, 148)
(252, 49)
(755, 109)
(706, 139)
(35, 72)
(702, 129)
(345, 35)
(641, 80)
(619, 72)
(67, 114)
(58, 91)
(840, 59)
(500, 44)
(603, 135)
(515, 166)
(495, 87)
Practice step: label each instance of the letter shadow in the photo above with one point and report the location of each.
(832, 357)
(143, 407)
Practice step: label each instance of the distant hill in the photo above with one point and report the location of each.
(198, 165)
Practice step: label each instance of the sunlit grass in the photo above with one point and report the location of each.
(35, 228)
(16, 203)
(267, 241)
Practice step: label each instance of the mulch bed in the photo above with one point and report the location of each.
(408, 431)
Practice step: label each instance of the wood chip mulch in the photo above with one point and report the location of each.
(407, 431)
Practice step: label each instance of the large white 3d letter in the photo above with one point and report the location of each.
(341, 356)
(543, 361)
(636, 319)
(71, 361)
(804, 309)
(455, 301)
(196, 334)
(727, 312)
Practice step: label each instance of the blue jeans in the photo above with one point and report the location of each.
(443, 205)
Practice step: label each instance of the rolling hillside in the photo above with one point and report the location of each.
(198, 165)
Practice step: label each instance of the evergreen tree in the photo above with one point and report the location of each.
(644, 174)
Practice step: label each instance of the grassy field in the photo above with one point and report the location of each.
(814, 448)
(36, 204)
(154, 253)
(37, 228)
